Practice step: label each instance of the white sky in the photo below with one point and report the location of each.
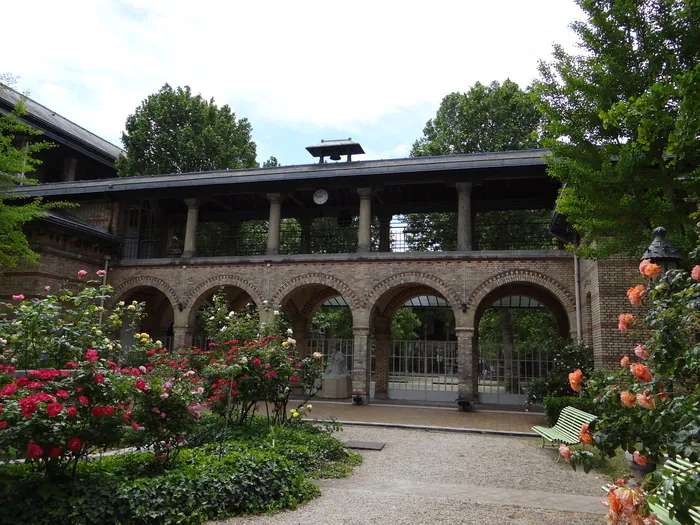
(294, 68)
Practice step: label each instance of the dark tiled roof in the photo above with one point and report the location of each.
(57, 127)
(459, 165)
(63, 220)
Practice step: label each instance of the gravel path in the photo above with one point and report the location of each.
(404, 483)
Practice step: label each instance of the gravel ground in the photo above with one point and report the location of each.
(423, 459)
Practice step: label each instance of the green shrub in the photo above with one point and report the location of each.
(122, 489)
(554, 405)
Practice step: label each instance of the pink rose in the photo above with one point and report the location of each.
(101, 273)
(82, 274)
(18, 297)
(641, 352)
(695, 272)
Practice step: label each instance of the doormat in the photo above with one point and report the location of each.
(365, 445)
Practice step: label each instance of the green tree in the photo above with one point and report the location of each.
(15, 210)
(494, 117)
(404, 325)
(174, 131)
(622, 118)
(497, 117)
(272, 162)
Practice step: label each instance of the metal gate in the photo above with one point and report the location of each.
(504, 380)
(423, 370)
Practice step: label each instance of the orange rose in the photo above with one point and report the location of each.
(646, 400)
(624, 362)
(575, 379)
(641, 372)
(585, 435)
(623, 322)
(639, 459)
(565, 452)
(635, 294)
(649, 269)
(641, 352)
(627, 399)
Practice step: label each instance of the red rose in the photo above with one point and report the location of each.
(99, 378)
(3, 424)
(22, 381)
(53, 409)
(135, 425)
(8, 390)
(63, 394)
(256, 361)
(91, 355)
(71, 364)
(55, 452)
(45, 375)
(75, 444)
(293, 379)
(127, 417)
(72, 411)
(34, 385)
(140, 384)
(97, 411)
(109, 411)
(83, 400)
(34, 451)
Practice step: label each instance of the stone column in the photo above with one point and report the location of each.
(364, 236)
(382, 331)
(306, 234)
(191, 228)
(384, 233)
(466, 364)
(273, 226)
(69, 165)
(464, 216)
(361, 367)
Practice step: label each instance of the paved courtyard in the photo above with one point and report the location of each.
(445, 477)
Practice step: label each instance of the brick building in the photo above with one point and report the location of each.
(295, 237)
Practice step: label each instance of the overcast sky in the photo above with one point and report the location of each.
(300, 71)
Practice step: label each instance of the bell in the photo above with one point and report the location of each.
(335, 156)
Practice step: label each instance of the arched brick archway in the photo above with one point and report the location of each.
(319, 279)
(223, 280)
(133, 284)
(418, 278)
(544, 286)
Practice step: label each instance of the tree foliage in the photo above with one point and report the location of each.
(494, 117)
(173, 131)
(15, 210)
(622, 118)
(497, 117)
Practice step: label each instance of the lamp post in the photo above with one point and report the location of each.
(662, 252)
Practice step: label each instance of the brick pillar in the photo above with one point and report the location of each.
(361, 370)
(364, 236)
(273, 226)
(464, 216)
(382, 331)
(300, 327)
(191, 228)
(182, 335)
(467, 373)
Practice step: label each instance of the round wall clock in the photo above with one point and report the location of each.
(320, 196)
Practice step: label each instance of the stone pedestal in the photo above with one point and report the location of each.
(336, 387)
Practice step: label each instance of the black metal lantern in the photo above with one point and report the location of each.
(662, 252)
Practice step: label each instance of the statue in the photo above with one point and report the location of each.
(337, 366)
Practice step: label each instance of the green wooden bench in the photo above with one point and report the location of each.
(674, 470)
(567, 428)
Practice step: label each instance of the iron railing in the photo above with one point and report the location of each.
(328, 347)
(423, 365)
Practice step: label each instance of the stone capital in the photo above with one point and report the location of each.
(274, 197)
(364, 193)
(191, 203)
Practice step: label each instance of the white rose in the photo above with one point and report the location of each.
(290, 331)
(244, 360)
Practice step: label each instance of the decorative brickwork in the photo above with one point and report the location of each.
(317, 278)
(429, 280)
(146, 280)
(212, 283)
(406, 295)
